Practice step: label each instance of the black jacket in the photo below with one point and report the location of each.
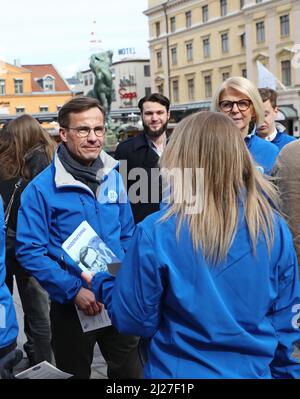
(138, 154)
(35, 161)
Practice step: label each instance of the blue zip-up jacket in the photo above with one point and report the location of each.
(8, 321)
(52, 206)
(263, 152)
(233, 320)
(282, 138)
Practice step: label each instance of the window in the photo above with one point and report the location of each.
(2, 86)
(242, 3)
(91, 78)
(157, 28)
(160, 88)
(18, 86)
(175, 90)
(225, 44)
(174, 56)
(44, 108)
(285, 25)
(159, 59)
(243, 40)
(223, 7)
(146, 70)
(206, 47)
(259, 1)
(260, 32)
(205, 13)
(173, 24)
(188, 19)
(58, 107)
(147, 91)
(191, 89)
(20, 110)
(225, 75)
(48, 83)
(244, 73)
(207, 86)
(189, 51)
(86, 80)
(286, 72)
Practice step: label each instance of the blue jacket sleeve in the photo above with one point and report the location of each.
(284, 313)
(32, 243)
(133, 298)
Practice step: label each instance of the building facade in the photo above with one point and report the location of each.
(196, 44)
(131, 77)
(132, 81)
(31, 89)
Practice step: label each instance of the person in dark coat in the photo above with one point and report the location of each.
(25, 150)
(9, 355)
(139, 156)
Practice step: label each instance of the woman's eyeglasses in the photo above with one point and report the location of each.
(242, 105)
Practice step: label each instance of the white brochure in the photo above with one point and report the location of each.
(90, 323)
(43, 371)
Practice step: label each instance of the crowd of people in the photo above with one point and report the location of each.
(205, 223)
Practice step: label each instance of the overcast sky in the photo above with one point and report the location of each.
(59, 31)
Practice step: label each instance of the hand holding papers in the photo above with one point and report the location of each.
(89, 251)
(92, 255)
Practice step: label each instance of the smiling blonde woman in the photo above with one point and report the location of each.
(238, 98)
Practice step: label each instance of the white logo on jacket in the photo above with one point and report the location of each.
(112, 196)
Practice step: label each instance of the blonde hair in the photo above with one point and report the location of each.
(22, 135)
(246, 87)
(211, 141)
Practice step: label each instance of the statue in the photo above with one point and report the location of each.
(103, 88)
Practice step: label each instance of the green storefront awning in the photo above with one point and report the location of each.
(288, 111)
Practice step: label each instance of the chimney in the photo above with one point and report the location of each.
(17, 62)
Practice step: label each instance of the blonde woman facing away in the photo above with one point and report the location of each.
(211, 279)
(239, 99)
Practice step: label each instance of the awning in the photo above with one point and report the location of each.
(202, 105)
(288, 111)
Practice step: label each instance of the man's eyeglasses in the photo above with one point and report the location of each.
(242, 105)
(84, 131)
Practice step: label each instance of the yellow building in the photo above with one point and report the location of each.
(33, 89)
(195, 45)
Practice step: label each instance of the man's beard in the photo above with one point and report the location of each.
(155, 133)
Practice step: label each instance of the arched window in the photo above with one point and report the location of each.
(48, 83)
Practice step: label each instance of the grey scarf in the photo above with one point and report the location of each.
(89, 175)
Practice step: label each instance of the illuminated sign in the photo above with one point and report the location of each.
(127, 51)
(124, 95)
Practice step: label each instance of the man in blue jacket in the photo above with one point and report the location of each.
(9, 356)
(80, 185)
(270, 130)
